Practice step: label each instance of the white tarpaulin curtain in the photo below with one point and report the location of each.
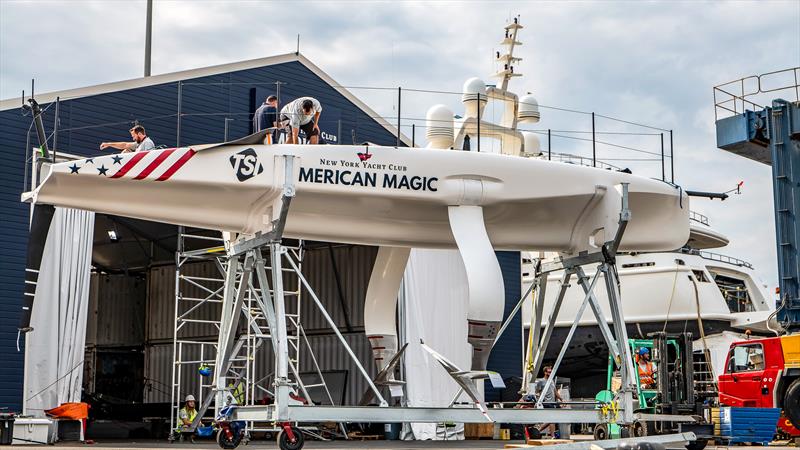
(55, 348)
(435, 308)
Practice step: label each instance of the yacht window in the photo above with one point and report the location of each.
(735, 293)
(680, 262)
(700, 275)
(746, 358)
(644, 264)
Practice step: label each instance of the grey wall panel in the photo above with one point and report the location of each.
(354, 263)
(158, 373)
(161, 302)
(331, 355)
(116, 316)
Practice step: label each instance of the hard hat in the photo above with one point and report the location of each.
(190, 398)
(644, 350)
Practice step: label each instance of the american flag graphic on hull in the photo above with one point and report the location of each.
(154, 165)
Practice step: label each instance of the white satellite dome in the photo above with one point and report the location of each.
(528, 109)
(530, 144)
(473, 96)
(439, 123)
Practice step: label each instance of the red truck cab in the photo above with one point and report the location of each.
(751, 373)
(763, 373)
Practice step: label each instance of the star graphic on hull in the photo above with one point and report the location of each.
(117, 159)
(89, 160)
(74, 168)
(102, 170)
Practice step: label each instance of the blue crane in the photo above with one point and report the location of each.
(770, 135)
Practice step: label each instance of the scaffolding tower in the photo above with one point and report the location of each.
(201, 316)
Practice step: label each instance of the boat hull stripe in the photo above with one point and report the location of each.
(153, 165)
(129, 165)
(178, 164)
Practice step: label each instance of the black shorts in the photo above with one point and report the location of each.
(308, 128)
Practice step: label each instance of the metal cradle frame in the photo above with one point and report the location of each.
(286, 410)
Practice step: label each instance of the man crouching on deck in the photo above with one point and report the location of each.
(302, 114)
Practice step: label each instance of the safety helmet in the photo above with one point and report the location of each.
(190, 398)
(644, 351)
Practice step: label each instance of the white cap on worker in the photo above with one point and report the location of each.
(190, 398)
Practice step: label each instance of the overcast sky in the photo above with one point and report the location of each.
(649, 62)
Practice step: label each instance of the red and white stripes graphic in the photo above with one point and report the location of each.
(158, 165)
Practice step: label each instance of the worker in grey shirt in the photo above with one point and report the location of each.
(141, 142)
(302, 114)
(549, 397)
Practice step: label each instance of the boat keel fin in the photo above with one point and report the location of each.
(381, 303)
(484, 279)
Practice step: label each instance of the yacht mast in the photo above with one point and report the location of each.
(508, 59)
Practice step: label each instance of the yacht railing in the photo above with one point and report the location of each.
(699, 218)
(718, 257)
(579, 160)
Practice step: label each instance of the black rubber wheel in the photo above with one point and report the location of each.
(640, 429)
(224, 442)
(624, 432)
(283, 440)
(791, 403)
(699, 444)
(601, 431)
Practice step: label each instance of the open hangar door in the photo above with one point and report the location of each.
(129, 354)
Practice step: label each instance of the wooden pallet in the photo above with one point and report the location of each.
(365, 437)
(533, 443)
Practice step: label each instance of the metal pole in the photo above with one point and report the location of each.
(148, 34)
(663, 175)
(399, 101)
(282, 356)
(594, 145)
(413, 134)
(178, 127)
(479, 122)
(551, 379)
(671, 158)
(55, 127)
(549, 148)
(227, 128)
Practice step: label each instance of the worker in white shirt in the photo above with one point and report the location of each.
(302, 114)
(141, 142)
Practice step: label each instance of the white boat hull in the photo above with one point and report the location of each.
(396, 197)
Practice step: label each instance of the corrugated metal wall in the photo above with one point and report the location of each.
(116, 314)
(161, 302)
(354, 266)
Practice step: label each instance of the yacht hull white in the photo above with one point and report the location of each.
(665, 291)
(374, 195)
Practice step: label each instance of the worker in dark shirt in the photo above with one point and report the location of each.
(266, 116)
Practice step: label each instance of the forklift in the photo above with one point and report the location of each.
(674, 391)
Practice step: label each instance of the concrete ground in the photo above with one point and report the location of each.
(207, 444)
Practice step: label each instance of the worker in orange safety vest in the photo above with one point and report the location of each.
(647, 369)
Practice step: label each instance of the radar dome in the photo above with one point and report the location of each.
(530, 143)
(439, 123)
(473, 96)
(528, 109)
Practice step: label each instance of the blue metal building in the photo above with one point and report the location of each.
(182, 108)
